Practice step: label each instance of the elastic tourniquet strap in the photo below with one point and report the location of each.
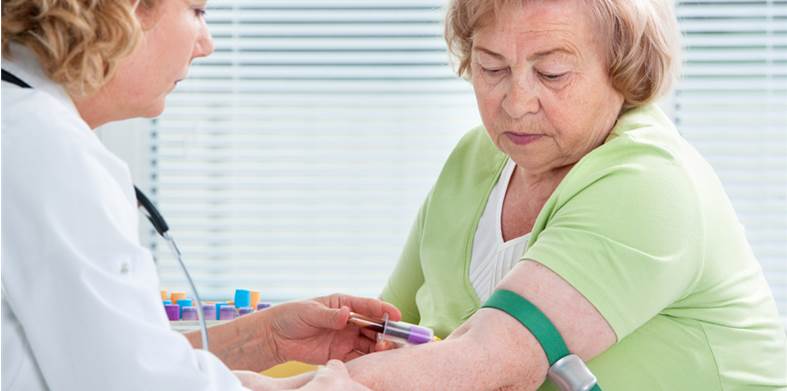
(546, 334)
(533, 319)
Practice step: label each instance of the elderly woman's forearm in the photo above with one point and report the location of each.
(462, 363)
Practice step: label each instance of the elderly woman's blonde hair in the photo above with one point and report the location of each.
(78, 43)
(643, 50)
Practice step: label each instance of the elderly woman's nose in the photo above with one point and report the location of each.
(521, 98)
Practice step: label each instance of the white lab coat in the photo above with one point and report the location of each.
(81, 308)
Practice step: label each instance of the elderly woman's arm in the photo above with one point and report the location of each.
(493, 350)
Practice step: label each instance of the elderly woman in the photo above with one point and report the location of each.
(80, 306)
(579, 196)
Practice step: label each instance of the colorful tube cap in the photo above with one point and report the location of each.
(188, 313)
(255, 299)
(209, 310)
(227, 312)
(175, 296)
(217, 309)
(419, 335)
(242, 298)
(173, 311)
(183, 303)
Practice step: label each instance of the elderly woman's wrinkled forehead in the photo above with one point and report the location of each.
(512, 13)
(568, 21)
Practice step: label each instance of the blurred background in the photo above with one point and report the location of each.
(294, 159)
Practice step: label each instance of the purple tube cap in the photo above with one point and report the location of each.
(262, 306)
(227, 312)
(189, 313)
(209, 310)
(173, 311)
(419, 335)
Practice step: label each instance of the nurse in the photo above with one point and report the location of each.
(80, 301)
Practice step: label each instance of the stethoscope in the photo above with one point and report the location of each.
(161, 226)
(158, 222)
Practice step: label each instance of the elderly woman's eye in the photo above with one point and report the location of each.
(200, 12)
(494, 71)
(552, 76)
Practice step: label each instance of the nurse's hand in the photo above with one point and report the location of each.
(315, 331)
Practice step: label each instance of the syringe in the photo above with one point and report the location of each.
(402, 333)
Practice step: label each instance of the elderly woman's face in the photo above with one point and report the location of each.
(541, 83)
(175, 34)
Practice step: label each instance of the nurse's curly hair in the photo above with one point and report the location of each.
(78, 43)
(641, 38)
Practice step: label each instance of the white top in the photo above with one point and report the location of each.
(492, 258)
(81, 308)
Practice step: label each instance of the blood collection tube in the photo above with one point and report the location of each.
(401, 333)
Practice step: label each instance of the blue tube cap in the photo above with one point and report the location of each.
(242, 298)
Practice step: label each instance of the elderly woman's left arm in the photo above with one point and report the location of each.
(491, 349)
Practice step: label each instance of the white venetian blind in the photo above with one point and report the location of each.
(294, 159)
(732, 105)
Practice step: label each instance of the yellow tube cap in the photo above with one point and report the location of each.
(175, 296)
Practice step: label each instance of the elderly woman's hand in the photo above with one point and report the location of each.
(317, 330)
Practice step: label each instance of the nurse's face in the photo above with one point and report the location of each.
(175, 34)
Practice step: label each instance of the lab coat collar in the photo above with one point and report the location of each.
(23, 63)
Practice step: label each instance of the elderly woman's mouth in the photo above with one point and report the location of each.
(522, 138)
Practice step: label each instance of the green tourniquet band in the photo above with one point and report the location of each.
(533, 319)
(595, 388)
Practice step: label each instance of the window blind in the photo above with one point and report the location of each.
(294, 159)
(731, 104)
